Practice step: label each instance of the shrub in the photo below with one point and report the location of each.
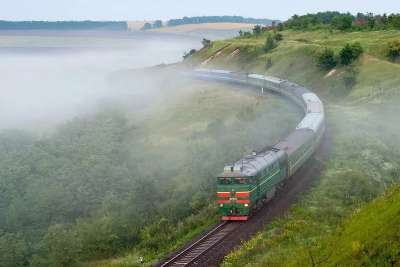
(393, 50)
(326, 59)
(189, 54)
(269, 43)
(350, 52)
(206, 43)
(278, 37)
(257, 30)
(350, 78)
(244, 34)
(269, 63)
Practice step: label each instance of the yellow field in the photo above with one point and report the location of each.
(136, 25)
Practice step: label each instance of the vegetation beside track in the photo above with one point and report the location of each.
(362, 106)
(124, 183)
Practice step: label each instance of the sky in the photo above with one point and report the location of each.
(166, 9)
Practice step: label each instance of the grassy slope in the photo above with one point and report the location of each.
(183, 125)
(366, 151)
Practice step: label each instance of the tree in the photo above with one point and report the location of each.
(206, 43)
(13, 250)
(62, 246)
(269, 43)
(371, 20)
(394, 20)
(326, 59)
(342, 22)
(350, 52)
(393, 50)
(146, 26)
(278, 37)
(157, 24)
(257, 30)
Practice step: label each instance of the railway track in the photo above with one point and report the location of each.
(191, 254)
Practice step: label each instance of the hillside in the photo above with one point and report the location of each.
(133, 179)
(362, 105)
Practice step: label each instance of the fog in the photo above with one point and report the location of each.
(48, 79)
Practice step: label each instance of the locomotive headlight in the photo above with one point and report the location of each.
(221, 205)
(246, 205)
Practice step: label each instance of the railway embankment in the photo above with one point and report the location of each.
(361, 101)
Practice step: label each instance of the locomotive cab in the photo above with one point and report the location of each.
(233, 196)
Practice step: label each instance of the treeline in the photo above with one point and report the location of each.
(63, 25)
(343, 21)
(215, 19)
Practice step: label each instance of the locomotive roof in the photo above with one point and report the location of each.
(250, 165)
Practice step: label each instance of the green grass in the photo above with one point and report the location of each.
(335, 224)
(294, 59)
(365, 161)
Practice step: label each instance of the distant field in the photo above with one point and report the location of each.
(135, 25)
(205, 26)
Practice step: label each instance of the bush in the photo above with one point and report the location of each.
(189, 54)
(326, 59)
(269, 43)
(350, 78)
(393, 50)
(269, 63)
(257, 30)
(278, 37)
(244, 34)
(206, 43)
(350, 52)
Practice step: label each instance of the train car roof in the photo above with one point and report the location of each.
(311, 121)
(266, 78)
(295, 140)
(296, 89)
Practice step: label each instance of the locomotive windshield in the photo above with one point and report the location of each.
(224, 180)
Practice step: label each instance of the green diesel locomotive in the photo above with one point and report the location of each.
(246, 184)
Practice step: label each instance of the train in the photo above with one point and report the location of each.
(245, 185)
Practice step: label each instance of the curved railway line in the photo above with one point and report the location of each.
(299, 171)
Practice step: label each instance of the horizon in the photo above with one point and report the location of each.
(126, 10)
